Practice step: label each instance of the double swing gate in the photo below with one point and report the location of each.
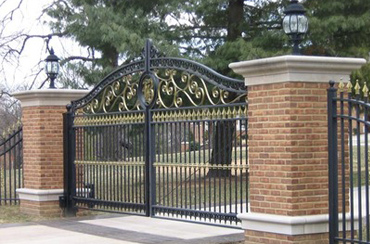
(164, 137)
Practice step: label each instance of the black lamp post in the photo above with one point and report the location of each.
(295, 24)
(52, 67)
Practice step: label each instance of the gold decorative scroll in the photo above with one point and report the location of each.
(177, 89)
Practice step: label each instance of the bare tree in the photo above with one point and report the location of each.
(10, 113)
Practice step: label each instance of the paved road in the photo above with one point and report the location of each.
(116, 230)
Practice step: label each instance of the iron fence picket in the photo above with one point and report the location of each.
(11, 167)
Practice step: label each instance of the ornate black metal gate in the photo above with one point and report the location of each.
(163, 137)
(349, 180)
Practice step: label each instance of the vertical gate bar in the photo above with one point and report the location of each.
(88, 186)
(219, 149)
(69, 157)
(96, 176)
(167, 167)
(158, 168)
(151, 161)
(21, 159)
(359, 185)
(238, 170)
(366, 131)
(121, 159)
(10, 169)
(185, 162)
(19, 151)
(333, 163)
(350, 132)
(4, 175)
(210, 139)
(100, 166)
(150, 143)
(343, 167)
(125, 184)
(233, 148)
(111, 166)
(140, 155)
(189, 168)
(176, 168)
(181, 141)
(200, 139)
(172, 163)
(15, 166)
(16, 163)
(195, 147)
(116, 159)
(225, 174)
(107, 157)
(163, 168)
(106, 172)
(204, 168)
(134, 151)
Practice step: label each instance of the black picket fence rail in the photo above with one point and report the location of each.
(11, 167)
(349, 193)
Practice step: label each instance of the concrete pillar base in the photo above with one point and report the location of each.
(43, 203)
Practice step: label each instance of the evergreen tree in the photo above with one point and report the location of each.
(113, 31)
(338, 28)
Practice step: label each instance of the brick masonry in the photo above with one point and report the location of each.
(43, 147)
(50, 208)
(288, 148)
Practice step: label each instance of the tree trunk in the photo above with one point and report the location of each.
(222, 148)
(235, 19)
(224, 131)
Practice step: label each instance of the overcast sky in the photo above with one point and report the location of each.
(26, 19)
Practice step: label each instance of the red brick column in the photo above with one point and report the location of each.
(287, 133)
(42, 118)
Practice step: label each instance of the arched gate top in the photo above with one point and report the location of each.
(154, 80)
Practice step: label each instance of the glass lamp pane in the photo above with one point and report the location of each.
(48, 67)
(286, 24)
(294, 23)
(302, 24)
(55, 67)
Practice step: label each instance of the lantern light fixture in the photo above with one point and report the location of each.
(52, 67)
(295, 24)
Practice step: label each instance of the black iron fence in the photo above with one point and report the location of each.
(348, 124)
(11, 167)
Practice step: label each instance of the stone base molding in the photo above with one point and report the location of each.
(290, 225)
(38, 195)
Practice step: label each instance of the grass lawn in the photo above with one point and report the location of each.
(11, 214)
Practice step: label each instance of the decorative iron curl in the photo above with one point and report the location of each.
(200, 70)
(177, 90)
(116, 75)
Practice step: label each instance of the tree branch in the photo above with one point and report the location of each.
(85, 59)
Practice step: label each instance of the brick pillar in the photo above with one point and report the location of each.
(287, 133)
(42, 118)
